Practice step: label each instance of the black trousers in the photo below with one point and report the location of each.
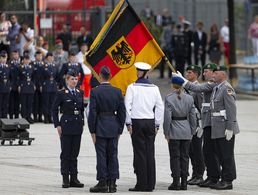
(4, 101)
(107, 161)
(37, 103)
(70, 148)
(14, 104)
(47, 102)
(143, 138)
(201, 57)
(180, 64)
(196, 156)
(26, 104)
(225, 150)
(163, 65)
(210, 156)
(179, 157)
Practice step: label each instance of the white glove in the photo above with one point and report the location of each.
(180, 75)
(175, 74)
(199, 131)
(229, 134)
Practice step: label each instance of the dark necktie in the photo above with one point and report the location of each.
(73, 92)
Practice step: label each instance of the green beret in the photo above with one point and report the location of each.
(220, 68)
(211, 66)
(194, 68)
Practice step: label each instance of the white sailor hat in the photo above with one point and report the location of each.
(187, 22)
(142, 66)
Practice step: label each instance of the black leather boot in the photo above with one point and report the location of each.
(50, 119)
(66, 183)
(175, 185)
(74, 182)
(112, 186)
(183, 183)
(46, 119)
(35, 118)
(40, 118)
(100, 187)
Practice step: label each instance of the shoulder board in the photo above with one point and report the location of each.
(77, 90)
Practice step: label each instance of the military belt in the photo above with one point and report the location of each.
(178, 118)
(206, 104)
(107, 113)
(220, 113)
(75, 112)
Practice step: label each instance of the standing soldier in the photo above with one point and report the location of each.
(196, 153)
(210, 157)
(26, 88)
(71, 65)
(224, 127)
(4, 84)
(106, 123)
(37, 79)
(49, 86)
(179, 126)
(14, 102)
(144, 111)
(69, 128)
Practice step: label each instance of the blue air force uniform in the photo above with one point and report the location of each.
(14, 99)
(71, 122)
(5, 87)
(37, 100)
(27, 89)
(49, 89)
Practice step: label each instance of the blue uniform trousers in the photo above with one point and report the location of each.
(210, 157)
(37, 103)
(4, 100)
(70, 146)
(47, 102)
(107, 161)
(26, 104)
(14, 104)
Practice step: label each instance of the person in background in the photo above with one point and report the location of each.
(13, 34)
(5, 84)
(66, 36)
(39, 45)
(14, 101)
(144, 110)
(49, 86)
(37, 65)
(253, 35)
(26, 88)
(4, 28)
(179, 126)
(189, 37)
(85, 37)
(69, 128)
(214, 45)
(60, 56)
(224, 33)
(106, 123)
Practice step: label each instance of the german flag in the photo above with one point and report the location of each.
(123, 40)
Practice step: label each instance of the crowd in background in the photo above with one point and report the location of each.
(31, 72)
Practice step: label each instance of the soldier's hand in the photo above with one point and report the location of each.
(40, 88)
(156, 130)
(167, 139)
(59, 130)
(229, 134)
(199, 131)
(93, 136)
(130, 129)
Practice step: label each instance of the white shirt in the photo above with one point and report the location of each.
(140, 100)
(224, 32)
(80, 59)
(199, 34)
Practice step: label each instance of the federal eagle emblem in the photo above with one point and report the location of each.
(121, 53)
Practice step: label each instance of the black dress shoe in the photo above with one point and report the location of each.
(76, 183)
(223, 185)
(30, 120)
(183, 183)
(208, 183)
(135, 189)
(100, 187)
(174, 187)
(112, 186)
(196, 181)
(190, 180)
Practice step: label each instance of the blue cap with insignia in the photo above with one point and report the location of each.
(105, 71)
(177, 81)
(72, 73)
(3, 53)
(142, 66)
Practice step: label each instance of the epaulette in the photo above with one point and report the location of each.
(77, 90)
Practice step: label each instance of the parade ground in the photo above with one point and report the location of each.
(35, 169)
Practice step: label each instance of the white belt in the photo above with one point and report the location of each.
(206, 104)
(220, 113)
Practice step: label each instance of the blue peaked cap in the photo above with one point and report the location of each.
(177, 80)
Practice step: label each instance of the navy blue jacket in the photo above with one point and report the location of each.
(49, 78)
(106, 111)
(5, 85)
(14, 74)
(26, 79)
(72, 107)
(37, 75)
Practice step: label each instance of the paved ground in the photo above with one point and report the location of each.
(35, 169)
